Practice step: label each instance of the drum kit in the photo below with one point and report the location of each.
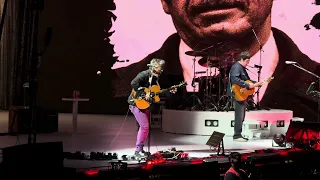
(212, 83)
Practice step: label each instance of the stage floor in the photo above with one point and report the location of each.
(117, 134)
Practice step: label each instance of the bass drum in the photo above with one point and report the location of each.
(214, 85)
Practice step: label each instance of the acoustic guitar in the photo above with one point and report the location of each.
(242, 93)
(155, 91)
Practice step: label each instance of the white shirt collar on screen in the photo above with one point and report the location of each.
(270, 58)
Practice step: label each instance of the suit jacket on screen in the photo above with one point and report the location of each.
(286, 91)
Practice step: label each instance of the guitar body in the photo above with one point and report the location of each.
(241, 93)
(141, 103)
(139, 96)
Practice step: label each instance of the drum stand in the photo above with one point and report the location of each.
(193, 96)
(224, 99)
(228, 103)
(209, 102)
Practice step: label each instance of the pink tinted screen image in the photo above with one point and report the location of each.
(200, 40)
(142, 27)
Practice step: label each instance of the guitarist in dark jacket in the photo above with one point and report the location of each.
(144, 79)
(238, 76)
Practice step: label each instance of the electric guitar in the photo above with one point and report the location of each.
(241, 93)
(139, 96)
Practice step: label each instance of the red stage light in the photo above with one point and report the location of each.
(155, 161)
(197, 161)
(91, 172)
(150, 163)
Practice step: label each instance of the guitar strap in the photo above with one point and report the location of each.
(150, 81)
(230, 83)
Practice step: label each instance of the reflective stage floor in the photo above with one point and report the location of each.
(117, 134)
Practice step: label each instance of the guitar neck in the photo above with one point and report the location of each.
(259, 84)
(262, 82)
(170, 88)
(164, 90)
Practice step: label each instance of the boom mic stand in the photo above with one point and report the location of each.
(33, 71)
(258, 107)
(312, 84)
(150, 115)
(34, 67)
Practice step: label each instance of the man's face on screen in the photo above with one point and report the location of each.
(200, 20)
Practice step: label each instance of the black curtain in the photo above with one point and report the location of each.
(18, 50)
(8, 51)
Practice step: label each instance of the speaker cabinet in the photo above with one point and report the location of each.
(33, 160)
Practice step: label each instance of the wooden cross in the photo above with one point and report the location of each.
(76, 98)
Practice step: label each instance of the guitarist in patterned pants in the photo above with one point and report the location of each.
(238, 75)
(145, 78)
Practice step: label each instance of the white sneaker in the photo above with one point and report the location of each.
(241, 139)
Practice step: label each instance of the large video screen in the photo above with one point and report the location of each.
(277, 33)
(142, 27)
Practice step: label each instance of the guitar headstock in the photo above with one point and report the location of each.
(180, 84)
(269, 79)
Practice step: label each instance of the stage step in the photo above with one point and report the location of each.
(257, 123)
(256, 133)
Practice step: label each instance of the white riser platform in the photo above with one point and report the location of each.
(194, 122)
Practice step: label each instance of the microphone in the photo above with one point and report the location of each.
(257, 66)
(290, 62)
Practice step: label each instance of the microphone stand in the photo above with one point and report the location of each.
(193, 96)
(150, 113)
(318, 80)
(259, 73)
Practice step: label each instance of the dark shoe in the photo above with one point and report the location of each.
(140, 154)
(245, 138)
(145, 153)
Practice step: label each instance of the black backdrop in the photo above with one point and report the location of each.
(79, 48)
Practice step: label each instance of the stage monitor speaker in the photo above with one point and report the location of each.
(265, 159)
(304, 135)
(215, 139)
(33, 160)
(188, 170)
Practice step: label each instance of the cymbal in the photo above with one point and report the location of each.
(209, 62)
(196, 53)
(232, 52)
(213, 58)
